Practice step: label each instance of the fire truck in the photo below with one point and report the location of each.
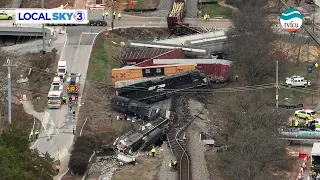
(73, 83)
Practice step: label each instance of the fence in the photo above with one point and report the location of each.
(91, 161)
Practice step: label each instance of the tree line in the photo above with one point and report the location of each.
(249, 128)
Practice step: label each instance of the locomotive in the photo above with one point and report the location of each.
(136, 108)
(159, 89)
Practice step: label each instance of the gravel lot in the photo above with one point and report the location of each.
(163, 9)
(164, 172)
(192, 8)
(196, 149)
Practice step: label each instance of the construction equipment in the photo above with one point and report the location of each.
(73, 83)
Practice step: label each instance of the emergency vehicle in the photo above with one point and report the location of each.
(73, 83)
(62, 69)
(57, 82)
(54, 99)
(306, 114)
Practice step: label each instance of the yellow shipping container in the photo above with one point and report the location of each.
(129, 73)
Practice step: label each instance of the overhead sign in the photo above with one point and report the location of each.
(51, 16)
(291, 20)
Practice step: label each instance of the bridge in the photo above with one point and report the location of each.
(24, 31)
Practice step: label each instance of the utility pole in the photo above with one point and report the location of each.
(43, 34)
(9, 88)
(314, 11)
(112, 16)
(277, 85)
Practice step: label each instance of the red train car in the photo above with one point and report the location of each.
(217, 70)
(175, 16)
(138, 56)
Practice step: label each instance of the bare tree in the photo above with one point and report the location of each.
(251, 130)
(251, 42)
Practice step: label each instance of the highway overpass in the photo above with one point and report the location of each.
(24, 31)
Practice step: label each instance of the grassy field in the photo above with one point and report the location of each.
(215, 10)
(141, 4)
(102, 63)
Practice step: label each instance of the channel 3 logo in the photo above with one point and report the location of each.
(79, 16)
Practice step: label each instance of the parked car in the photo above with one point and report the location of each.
(306, 114)
(292, 77)
(5, 16)
(298, 82)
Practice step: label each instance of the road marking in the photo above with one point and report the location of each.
(75, 55)
(64, 45)
(89, 33)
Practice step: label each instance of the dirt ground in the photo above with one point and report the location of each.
(5, 3)
(48, 4)
(146, 166)
(139, 4)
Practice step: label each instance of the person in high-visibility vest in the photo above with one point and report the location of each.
(175, 164)
(208, 17)
(119, 16)
(134, 161)
(170, 164)
(114, 15)
(102, 16)
(31, 134)
(106, 13)
(205, 16)
(37, 134)
(153, 151)
(296, 123)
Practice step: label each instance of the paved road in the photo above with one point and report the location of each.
(58, 123)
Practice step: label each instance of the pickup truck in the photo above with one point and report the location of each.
(298, 82)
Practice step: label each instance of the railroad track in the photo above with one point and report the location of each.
(177, 146)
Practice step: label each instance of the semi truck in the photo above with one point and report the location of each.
(315, 157)
(73, 83)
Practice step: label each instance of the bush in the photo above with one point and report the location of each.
(79, 162)
(80, 155)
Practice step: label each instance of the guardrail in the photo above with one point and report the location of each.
(92, 159)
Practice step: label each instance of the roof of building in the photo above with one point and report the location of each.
(191, 61)
(144, 54)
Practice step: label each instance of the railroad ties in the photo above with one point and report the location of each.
(177, 145)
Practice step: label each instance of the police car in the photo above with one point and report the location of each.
(305, 114)
(5, 16)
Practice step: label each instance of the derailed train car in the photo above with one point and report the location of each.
(145, 136)
(136, 108)
(159, 89)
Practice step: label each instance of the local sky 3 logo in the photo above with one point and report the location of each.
(51, 16)
(291, 20)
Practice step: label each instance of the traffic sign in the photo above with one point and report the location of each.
(309, 69)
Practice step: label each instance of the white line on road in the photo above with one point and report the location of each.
(64, 45)
(89, 33)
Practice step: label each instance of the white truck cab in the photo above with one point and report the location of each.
(57, 81)
(298, 82)
(54, 98)
(62, 69)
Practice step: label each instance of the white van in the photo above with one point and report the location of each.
(62, 69)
